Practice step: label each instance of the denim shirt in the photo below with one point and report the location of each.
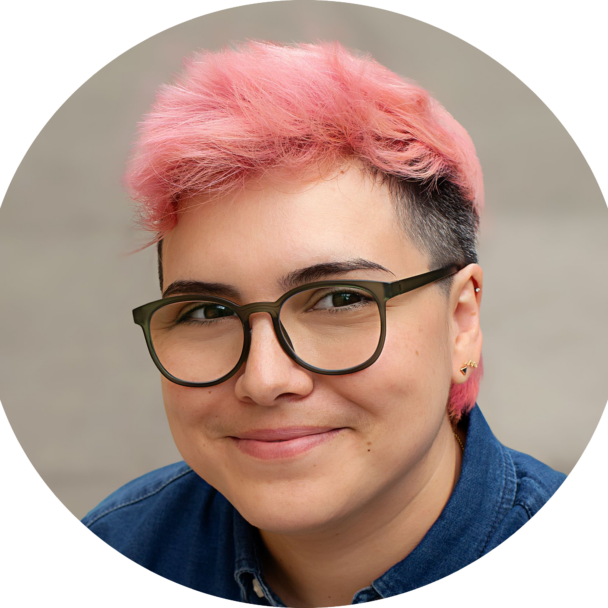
(175, 524)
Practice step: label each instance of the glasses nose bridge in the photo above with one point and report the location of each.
(271, 308)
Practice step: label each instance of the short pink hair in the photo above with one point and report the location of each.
(235, 115)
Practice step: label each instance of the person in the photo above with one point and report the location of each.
(318, 336)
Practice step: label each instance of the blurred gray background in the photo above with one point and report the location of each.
(78, 386)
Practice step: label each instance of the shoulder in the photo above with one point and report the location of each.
(174, 523)
(536, 481)
(149, 487)
(170, 502)
(534, 484)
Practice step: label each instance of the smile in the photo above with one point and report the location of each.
(270, 444)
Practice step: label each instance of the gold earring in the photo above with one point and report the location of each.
(463, 369)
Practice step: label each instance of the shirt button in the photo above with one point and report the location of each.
(258, 588)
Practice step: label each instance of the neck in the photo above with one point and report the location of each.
(327, 567)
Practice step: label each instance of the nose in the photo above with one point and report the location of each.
(283, 330)
(286, 336)
(269, 375)
(264, 341)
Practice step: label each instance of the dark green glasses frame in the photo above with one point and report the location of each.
(381, 292)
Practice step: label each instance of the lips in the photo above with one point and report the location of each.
(284, 434)
(285, 445)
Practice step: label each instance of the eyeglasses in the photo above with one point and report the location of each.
(327, 327)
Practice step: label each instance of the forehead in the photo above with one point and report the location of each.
(273, 227)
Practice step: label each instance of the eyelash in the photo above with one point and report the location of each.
(184, 319)
(338, 309)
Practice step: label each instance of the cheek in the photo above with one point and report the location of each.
(184, 415)
(199, 419)
(183, 405)
(405, 391)
(417, 358)
(194, 414)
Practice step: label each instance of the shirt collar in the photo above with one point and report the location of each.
(483, 494)
(248, 568)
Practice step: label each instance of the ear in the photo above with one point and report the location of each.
(465, 303)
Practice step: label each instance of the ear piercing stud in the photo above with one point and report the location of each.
(477, 289)
(463, 369)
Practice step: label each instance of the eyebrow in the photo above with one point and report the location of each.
(309, 274)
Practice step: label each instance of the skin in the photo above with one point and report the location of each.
(338, 516)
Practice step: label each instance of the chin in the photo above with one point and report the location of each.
(291, 507)
(289, 517)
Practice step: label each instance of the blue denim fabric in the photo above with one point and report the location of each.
(175, 524)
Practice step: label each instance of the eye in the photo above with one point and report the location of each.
(205, 312)
(341, 299)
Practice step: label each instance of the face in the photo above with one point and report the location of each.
(371, 430)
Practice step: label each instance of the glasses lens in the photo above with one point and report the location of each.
(197, 341)
(333, 328)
